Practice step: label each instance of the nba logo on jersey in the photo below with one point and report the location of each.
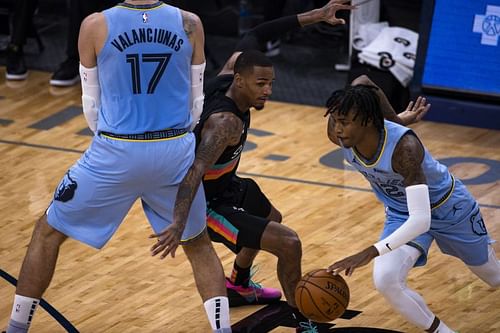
(145, 18)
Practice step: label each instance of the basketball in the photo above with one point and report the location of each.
(322, 296)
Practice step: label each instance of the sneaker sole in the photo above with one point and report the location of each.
(16, 77)
(235, 299)
(65, 83)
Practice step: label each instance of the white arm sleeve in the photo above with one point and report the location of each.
(419, 221)
(197, 97)
(91, 95)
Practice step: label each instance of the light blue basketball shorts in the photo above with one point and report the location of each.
(456, 225)
(97, 192)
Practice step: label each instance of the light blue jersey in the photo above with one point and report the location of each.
(456, 222)
(144, 70)
(142, 150)
(387, 184)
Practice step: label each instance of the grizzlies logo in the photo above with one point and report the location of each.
(478, 226)
(66, 189)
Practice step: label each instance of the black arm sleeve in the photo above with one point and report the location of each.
(267, 31)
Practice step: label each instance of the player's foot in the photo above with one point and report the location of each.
(254, 294)
(306, 327)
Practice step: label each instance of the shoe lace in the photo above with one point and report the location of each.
(308, 327)
(252, 284)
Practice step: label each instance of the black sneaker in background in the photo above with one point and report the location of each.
(66, 75)
(16, 68)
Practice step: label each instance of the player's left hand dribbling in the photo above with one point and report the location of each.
(168, 241)
(350, 263)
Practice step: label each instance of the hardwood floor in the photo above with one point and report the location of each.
(123, 289)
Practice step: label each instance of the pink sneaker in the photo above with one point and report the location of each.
(254, 294)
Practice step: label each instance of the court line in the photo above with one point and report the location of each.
(287, 179)
(45, 305)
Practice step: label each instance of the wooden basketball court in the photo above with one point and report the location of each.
(123, 289)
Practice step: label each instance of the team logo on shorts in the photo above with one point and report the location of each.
(488, 25)
(66, 189)
(478, 226)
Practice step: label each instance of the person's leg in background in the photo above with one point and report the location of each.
(21, 22)
(67, 73)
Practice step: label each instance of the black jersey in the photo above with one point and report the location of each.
(218, 178)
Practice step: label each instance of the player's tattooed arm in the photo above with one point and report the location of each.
(407, 160)
(194, 30)
(190, 22)
(219, 131)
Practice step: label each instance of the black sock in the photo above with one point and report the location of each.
(240, 276)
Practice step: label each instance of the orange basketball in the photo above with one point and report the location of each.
(322, 296)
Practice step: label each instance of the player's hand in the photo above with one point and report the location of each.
(168, 240)
(350, 263)
(414, 112)
(329, 11)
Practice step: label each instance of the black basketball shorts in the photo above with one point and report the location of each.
(238, 217)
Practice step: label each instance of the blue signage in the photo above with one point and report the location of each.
(463, 51)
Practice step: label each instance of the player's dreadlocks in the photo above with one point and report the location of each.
(362, 99)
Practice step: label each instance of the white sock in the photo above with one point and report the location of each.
(23, 309)
(217, 309)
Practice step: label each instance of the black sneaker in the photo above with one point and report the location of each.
(66, 75)
(16, 68)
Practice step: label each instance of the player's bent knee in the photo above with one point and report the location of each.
(386, 279)
(281, 240)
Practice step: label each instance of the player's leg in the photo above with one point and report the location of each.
(390, 273)
(207, 269)
(88, 206)
(253, 201)
(244, 259)
(490, 271)
(36, 273)
(285, 244)
(475, 248)
(209, 278)
(391, 270)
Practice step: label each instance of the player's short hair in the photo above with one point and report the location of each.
(361, 99)
(248, 59)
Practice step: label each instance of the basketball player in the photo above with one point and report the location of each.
(239, 214)
(137, 60)
(423, 200)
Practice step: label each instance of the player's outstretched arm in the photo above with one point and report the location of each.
(277, 28)
(413, 113)
(219, 131)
